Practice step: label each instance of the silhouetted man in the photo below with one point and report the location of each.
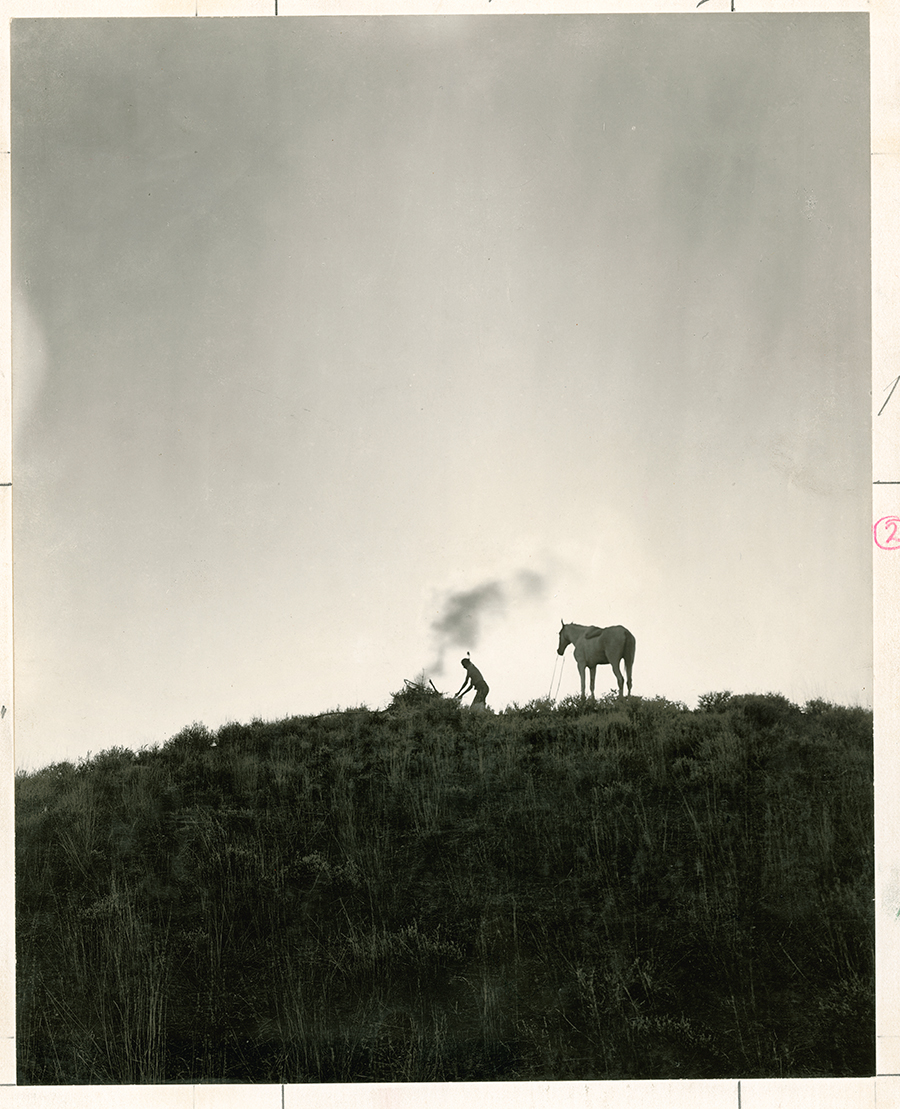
(475, 681)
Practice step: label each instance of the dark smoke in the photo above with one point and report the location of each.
(460, 622)
(459, 625)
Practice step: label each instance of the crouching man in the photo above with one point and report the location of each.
(474, 680)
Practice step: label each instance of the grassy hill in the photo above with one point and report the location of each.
(572, 891)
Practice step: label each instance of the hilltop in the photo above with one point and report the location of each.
(555, 891)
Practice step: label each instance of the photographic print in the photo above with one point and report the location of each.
(442, 548)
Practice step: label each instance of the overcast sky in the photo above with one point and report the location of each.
(343, 346)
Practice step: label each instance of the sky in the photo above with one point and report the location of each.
(345, 346)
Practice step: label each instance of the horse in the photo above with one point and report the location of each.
(599, 647)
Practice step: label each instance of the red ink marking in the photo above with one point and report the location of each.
(887, 533)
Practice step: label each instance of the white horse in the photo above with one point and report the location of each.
(599, 647)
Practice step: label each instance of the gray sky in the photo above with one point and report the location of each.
(345, 346)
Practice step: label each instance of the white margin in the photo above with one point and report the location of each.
(882, 1089)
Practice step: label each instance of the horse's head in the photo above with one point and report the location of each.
(563, 638)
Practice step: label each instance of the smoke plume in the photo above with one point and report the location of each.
(464, 613)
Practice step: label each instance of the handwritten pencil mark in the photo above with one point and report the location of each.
(890, 394)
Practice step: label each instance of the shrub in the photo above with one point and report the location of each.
(585, 889)
(196, 737)
(714, 702)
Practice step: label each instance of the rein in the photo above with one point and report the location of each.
(551, 694)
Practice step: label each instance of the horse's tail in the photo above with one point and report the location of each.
(628, 654)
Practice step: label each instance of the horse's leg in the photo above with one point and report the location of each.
(593, 679)
(581, 673)
(628, 655)
(619, 678)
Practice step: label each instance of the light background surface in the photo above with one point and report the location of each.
(884, 143)
(345, 346)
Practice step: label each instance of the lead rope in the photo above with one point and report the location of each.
(551, 694)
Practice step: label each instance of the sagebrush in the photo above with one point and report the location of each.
(557, 891)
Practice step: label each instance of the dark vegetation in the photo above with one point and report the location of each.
(568, 891)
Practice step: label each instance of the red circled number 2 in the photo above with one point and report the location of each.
(887, 533)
